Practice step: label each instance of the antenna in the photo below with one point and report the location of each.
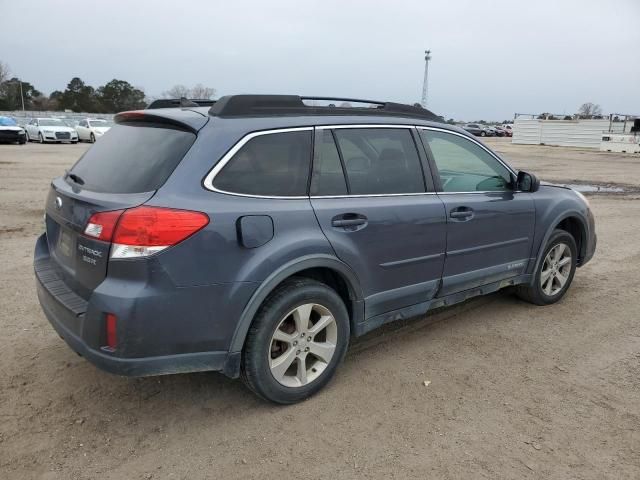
(427, 57)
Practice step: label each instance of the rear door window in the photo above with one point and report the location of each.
(133, 159)
(274, 164)
(380, 161)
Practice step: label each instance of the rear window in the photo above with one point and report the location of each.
(133, 159)
(275, 164)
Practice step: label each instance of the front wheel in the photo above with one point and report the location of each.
(40, 138)
(555, 273)
(482, 134)
(296, 342)
(26, 134)
(92, 138)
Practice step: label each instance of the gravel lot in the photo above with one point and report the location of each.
(516, 391)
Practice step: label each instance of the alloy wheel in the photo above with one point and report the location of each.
(556, 269)
(303, 345)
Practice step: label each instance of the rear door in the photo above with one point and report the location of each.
(381, 218)
(489, 225)
(121, 171)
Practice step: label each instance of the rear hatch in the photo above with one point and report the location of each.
(120, 171)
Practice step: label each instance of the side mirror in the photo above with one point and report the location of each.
(527, 182)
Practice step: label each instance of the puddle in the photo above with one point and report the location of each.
(585, 188)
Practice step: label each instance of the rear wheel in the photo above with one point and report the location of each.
(296, 342)
(555, 273)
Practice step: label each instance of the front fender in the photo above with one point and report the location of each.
(554, 205)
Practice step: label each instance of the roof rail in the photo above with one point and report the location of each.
(273, 105)
(180, 103)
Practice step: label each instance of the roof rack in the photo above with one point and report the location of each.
(274, 105)
(180, 103)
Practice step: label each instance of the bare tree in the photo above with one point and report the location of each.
(589, 109)
(177, 91)
(202, 92)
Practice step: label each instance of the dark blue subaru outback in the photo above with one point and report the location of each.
(256, 237)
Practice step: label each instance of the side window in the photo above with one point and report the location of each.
(328, 177)
(82, 123)
(380, 160)
(464, 166)
(274, 164)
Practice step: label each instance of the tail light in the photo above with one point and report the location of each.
(101, 225)
(143, 231)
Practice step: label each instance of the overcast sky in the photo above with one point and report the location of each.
(490, 58)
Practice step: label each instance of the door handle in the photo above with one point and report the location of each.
(348, 220)
(461, 213)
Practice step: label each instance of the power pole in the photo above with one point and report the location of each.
(427, 57)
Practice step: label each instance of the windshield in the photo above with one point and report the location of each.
(101, 123)
(51, 122)
(7, 122)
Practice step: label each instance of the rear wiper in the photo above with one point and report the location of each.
(75, 178)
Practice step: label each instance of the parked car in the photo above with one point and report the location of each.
(508, 129)
(214, 239)
(10, 132)
(90, 129)
(46, 130)
(499, 131)
(478, 130)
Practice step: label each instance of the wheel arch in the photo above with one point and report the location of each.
(571, 222)
(324, 268)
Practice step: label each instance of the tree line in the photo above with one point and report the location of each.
(112, 97)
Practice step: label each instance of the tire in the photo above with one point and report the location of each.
(40, 138)
(482, 134)
(92, 138)
(280, 313)
(27, 136)
(541, 292)
(73, 143)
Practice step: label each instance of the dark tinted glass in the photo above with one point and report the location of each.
(380, 161)
(328, 177)
(275, 164)
(132, 159)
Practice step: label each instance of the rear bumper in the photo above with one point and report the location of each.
(62, 319)
(162, 329)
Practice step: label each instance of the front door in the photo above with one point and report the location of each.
(489, 225)
(380, 218)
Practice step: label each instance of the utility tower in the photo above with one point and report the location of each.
(427, 57)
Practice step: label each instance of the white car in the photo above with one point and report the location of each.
(90, 129)
(46, 130)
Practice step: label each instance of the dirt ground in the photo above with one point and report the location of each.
(516, 391)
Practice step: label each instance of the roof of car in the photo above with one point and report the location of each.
(263, 112)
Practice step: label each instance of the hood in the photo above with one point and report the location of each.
(61, 128)
(12, 128)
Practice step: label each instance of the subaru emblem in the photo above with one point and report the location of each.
(58, 203)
